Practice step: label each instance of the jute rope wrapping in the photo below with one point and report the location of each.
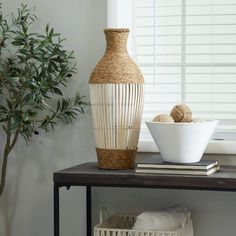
(116, 66)
(115, 159)
(116, 92)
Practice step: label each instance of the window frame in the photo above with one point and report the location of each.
(114, 10)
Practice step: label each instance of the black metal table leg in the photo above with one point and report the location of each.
(88, 210)
(56, 210)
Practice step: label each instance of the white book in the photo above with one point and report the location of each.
(177, 171)
(156, 163)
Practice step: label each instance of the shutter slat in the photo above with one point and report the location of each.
(187, 54)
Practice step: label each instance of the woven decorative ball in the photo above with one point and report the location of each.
(195, 120)
(163, 118)
(181, 113)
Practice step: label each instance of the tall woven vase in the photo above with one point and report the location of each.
(116, 94)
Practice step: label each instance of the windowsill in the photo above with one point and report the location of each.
(213, 147)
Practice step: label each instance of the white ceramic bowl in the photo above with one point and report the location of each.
(182, 142)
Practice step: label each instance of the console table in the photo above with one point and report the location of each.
(89, 175)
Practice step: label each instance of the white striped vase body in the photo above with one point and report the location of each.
(116, 111)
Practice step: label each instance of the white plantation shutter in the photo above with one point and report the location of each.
(186, 50)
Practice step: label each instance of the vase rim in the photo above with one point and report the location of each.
(118, 30)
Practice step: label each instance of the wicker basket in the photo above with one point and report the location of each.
(121, 225)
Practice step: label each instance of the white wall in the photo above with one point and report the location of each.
(26, 208)
(27, 204)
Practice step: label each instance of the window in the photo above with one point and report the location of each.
(186, 50)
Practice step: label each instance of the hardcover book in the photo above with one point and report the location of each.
(178, 171)
(156, 163)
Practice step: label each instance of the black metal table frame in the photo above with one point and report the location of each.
(88, 175)
(56, 201)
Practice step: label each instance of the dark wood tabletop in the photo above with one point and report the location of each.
(88, 174)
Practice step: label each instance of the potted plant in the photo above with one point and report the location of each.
(33, 69)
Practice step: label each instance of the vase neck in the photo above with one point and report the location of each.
(116, 40)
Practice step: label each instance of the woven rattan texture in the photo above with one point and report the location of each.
(121, 225)
(116, 159)
(116, 66)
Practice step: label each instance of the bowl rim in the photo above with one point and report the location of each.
(182, 123)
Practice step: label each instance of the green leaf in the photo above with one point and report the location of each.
(16, 120)
(24, 51)
(55, 67)
(27, 97)
(47, 28)
(17, 43)
(57, 91)
(34, 68)
(51, 33)
(32, 113)
(9, 104)
(2, 108)
(25, 116)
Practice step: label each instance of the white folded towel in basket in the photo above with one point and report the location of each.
(165, 219)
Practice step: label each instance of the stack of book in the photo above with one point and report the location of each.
(158, 166)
